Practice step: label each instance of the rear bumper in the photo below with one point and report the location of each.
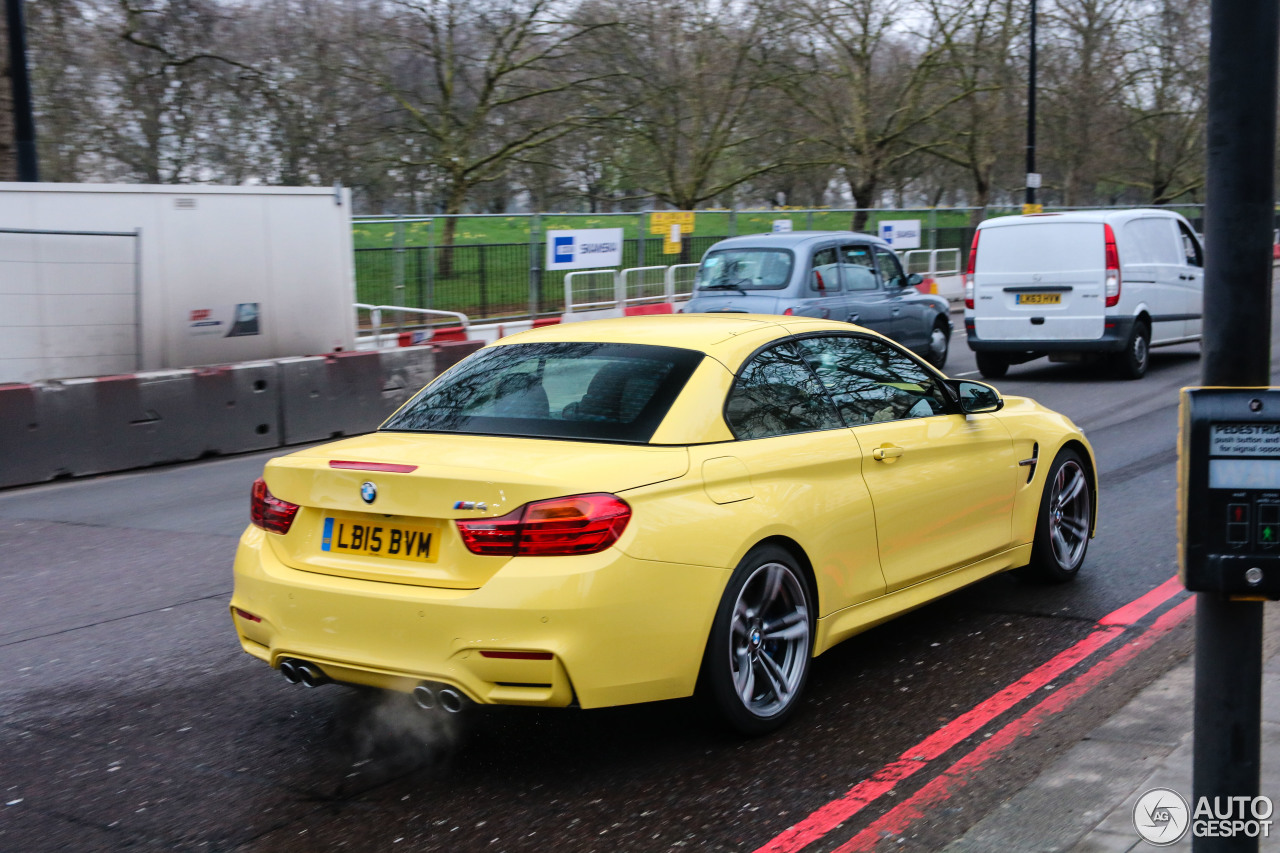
(1115, 336)
(617, 630)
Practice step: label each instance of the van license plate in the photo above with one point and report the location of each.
(376, 539)
(1039, 298)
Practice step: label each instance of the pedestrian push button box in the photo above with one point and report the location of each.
(1229, 491)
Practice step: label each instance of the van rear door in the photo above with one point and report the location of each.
(1040, 280)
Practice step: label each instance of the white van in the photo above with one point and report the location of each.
(1080, 286)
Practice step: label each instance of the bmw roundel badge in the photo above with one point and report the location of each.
(368, 491)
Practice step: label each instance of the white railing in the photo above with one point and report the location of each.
(375, 315)
(680, 279)
(933, 262)
(644, 284)
(603, 295)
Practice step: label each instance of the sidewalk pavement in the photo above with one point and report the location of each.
(1083, 803)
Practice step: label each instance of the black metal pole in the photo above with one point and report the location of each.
(1239, 212)
(1031, 110)
(24, 123)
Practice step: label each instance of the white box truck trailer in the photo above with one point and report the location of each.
(99, 279)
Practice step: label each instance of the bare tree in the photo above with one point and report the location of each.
(1084, 77)
(977, 41)
(689, 78)
(461, 73)
(1167, 101)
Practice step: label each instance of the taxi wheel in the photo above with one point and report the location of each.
(939, 344)
(757, 657)
(1062, 526)
(1132, 363)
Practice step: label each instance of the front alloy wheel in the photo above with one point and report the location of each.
(1062, 529)
(761, 642)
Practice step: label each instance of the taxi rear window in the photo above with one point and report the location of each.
(591, 391)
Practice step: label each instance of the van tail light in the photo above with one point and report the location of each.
(968, 272)
(789, 312)
(268, 511)
(579, 524)
(1113, 268)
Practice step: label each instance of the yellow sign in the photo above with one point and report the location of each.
(660, 221)
(1033, 208)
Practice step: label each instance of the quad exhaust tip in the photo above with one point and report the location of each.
(302, 672)
(431, 696)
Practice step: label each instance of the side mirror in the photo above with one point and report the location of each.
(914, 280)
(977, 398)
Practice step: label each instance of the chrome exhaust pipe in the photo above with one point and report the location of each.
(451, 700)
(311, 675)
(289, 669)
(425, 697)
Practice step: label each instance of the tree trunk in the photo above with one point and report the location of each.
(8, 147)
(864, 193)
(452, 207)
(981, 195)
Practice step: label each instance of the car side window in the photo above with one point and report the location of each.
(824, 278)
(857, 267)
(871, 381)
(1152, 242)
(890, 269)
(776, 394)
(1190, 246)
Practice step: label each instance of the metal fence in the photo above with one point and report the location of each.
(402, 260)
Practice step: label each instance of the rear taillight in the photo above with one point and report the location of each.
(581, 524)
(268, 511)
(968, 272)
(1113, 268)
(789, 312)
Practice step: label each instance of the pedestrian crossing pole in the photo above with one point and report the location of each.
(1239, 220)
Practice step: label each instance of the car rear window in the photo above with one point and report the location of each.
(591, 391)
(745, 269)
(1041, 247)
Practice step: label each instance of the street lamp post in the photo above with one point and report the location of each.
(1033, 178)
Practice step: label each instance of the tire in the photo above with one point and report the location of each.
(939, 345)
(1063, 522)
(1132, 363)
(757, 658)
(992, 365)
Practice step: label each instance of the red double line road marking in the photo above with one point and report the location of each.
(897, 819)
(830, 816)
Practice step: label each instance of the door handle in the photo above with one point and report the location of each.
(886, 453)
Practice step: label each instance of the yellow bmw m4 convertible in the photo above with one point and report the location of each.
(631, 510)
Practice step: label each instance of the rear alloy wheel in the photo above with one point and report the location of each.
(1062, 527)
(992, 365)
(1132, 363)
(939, 345)
(757, 658)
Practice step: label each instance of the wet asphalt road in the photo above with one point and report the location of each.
(131, 720)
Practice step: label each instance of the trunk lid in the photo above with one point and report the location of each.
(453, 477)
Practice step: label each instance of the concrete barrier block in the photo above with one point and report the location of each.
(38, 440)
(239, 407)
(330, 396)
(140, 420)
(449, 353)
(404, 373)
